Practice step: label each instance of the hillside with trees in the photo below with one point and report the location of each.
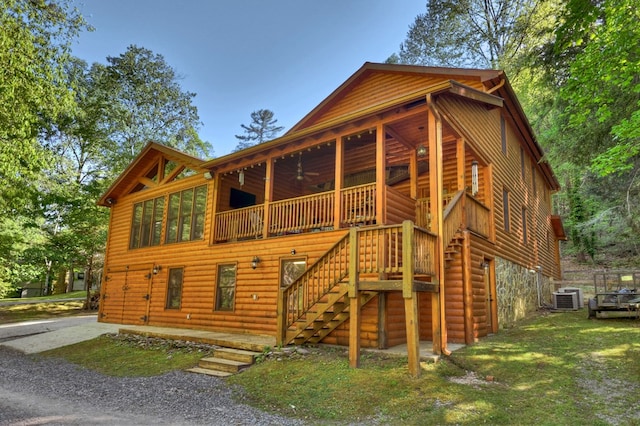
(575, 66)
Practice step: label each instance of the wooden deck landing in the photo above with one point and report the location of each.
(246, 342)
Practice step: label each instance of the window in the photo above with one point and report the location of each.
(533, 179)
(524, 226)
(174, 288)
(505, 208)
(226, 288)
(503, 135)
(146, 224)
(290, 270)
(185, 218)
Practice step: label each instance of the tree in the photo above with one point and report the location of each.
(470, 33)
(146, 103)
(35, 39)
(261, 129)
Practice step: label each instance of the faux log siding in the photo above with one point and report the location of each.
(376, 88)
(399, 207)
(481, 249)
(454, 300)
(368, 328)
(424, 300)
(396, 327)
(484, 125)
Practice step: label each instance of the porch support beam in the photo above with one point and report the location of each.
(268, 196)
(354, 300)
(380, 174)
(412, 324)
(338, 179)
(412, 319)
(436, 188)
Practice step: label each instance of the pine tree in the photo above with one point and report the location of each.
(262, 128)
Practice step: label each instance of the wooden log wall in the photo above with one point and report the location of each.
(509, 175)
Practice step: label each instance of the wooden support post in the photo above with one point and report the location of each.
(413, 333)
(281, 328)
(467, 288)
(354, 300)
(338, 179)
(407, 259)
(354, 332)
(381, 170)
(268, 196)
(435, 323)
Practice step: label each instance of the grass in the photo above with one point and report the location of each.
(124, 357)
(41, 307)
(553, 369)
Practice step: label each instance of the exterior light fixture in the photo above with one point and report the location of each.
(293, 252)
(474, 177)
(208, 175)
(254, 262)
(241, 177)
(156, 269)
(421, 151)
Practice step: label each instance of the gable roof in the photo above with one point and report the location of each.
(362, 88)
(141, 164)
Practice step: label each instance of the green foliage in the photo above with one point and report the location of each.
(146, 103)
(34, 40)
(261, 129)
(486, 34)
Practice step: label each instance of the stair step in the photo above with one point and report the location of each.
(221, 364)
(208, 372)
(247, 357)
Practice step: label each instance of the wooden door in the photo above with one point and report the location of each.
(126, 295)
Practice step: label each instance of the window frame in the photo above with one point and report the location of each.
(525, 228)
(174, 289)
(151, 231)
(219, 302)
(186, 212)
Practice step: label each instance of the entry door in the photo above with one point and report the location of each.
(488, 295)
(127, 295)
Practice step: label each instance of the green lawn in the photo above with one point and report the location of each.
(552, 369)
(41, 307)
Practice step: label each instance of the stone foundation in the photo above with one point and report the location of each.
(517, 291)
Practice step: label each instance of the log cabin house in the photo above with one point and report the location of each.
(385, 216)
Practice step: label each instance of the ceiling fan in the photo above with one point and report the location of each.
(300, 174)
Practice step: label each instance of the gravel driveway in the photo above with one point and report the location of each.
(46, 391)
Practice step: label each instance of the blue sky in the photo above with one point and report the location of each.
(239, 56)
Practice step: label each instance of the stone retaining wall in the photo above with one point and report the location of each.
(517, 291)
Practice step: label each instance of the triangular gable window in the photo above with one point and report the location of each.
(162, 171)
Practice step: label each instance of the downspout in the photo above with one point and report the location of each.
(440, 224)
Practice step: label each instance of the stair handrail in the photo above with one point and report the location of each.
(296, 298)
(453, 217)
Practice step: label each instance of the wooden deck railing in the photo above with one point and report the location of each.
(477, 216)
(314, 283)
(240, 224)
(379, 251)
(359, 205)
(302, 213)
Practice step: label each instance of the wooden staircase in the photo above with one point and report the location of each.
(225, 362)
(324, 316)
(453, 248)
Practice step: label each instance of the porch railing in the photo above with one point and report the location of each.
(477, 216)
(302, 213)
(240, 224)
(359, 205)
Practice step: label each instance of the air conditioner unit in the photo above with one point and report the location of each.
(574, 290)
(565, 300)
